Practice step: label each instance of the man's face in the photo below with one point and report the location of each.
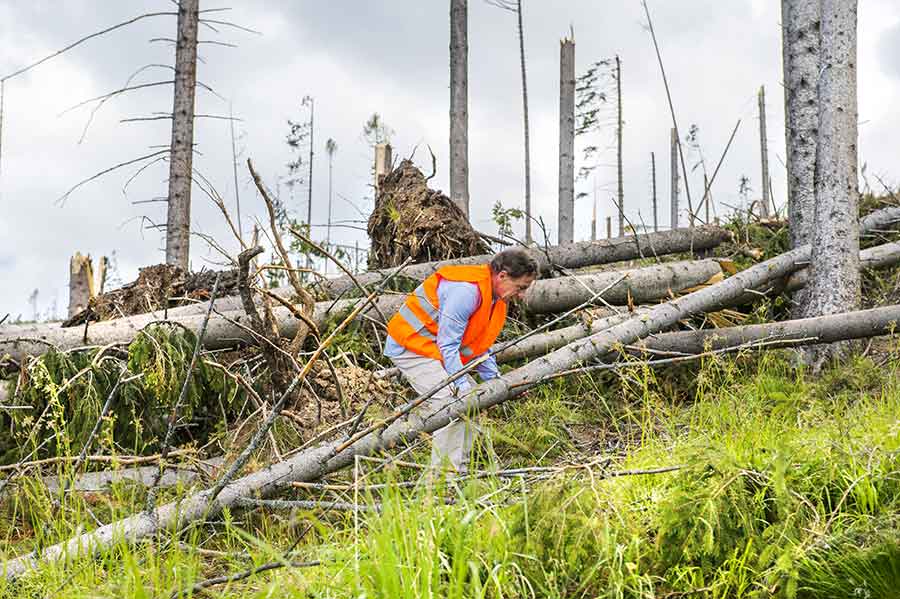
(508, 288)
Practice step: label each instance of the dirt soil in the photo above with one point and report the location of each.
(411, 220)
(156, 288)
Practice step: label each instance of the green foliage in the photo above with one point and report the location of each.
(787, 487)
(68, 389)
(504, 217)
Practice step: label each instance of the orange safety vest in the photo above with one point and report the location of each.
(415, 326)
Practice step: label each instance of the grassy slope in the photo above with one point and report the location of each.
(789, 488)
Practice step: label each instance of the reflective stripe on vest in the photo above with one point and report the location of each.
(414, 321)
(425, 303)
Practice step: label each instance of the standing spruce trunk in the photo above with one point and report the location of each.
(834, 285)
(566, 214)
(528, 237)
(459, 105)
(801, 20)
(178, 220)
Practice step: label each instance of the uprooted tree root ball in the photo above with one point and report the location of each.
(411, 221)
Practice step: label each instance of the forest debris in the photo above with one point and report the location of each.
(157, 288)
(411, 221)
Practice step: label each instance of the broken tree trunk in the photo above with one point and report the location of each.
(565, 228)
(329, 457)
(81, 283)
(459, 104)
(181, 154)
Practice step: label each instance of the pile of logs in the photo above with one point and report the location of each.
(641, 307)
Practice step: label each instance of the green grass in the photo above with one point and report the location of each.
(788, 487)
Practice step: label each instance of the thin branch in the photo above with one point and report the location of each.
(687, 187)
(211, 582)
(122, 90)
(126, 84)
(718, 165)
(229, 24)
(86, 38)
(62, 199)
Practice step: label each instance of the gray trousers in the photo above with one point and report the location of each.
(453, 442)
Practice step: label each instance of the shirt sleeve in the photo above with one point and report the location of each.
(488, 369)
(458, 301)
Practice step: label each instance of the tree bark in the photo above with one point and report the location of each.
(789, 333)
(834, 285)
(459, 102)
(178, 220)
(764, 156)
(521, 29)
(800, 22)
(566, 211)
(637, 285)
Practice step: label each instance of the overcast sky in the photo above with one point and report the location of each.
(391, 57)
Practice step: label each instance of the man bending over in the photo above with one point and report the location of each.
(452, 318)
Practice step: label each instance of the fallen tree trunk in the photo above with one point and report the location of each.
(231, 327)
(876, 257)
(331, 456)
(569, 256)
(618, 287)
(225, 329)
(789, 333)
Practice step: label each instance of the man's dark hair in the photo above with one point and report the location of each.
(517, 262)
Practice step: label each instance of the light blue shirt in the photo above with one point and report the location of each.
(458, 301)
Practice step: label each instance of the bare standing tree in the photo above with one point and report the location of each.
(515, 6)
(459, 104)
(178, 220)
(330, 149)
(834, 285)
(620, 195)
(566, 214)
(800, 20)
(766, 200)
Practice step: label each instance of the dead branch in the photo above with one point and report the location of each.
(86, 38)
(176, 408)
